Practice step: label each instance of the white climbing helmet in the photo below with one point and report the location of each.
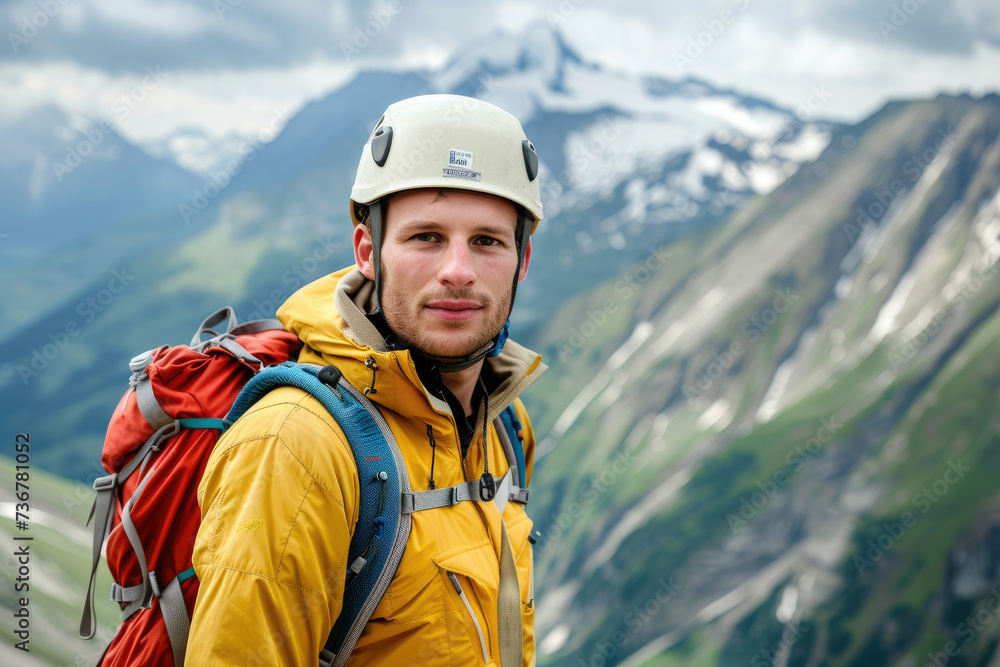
(447, 141)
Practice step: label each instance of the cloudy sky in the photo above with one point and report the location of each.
(224, 67)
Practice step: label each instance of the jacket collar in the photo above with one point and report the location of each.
(329, 315)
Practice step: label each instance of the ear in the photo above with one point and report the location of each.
(363, 251)
(524, 265)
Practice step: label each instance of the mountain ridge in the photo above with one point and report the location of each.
(696, 456)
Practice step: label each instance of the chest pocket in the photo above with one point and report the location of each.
(441, 607)
(469, 580)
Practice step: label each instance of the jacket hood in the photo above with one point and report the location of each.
(329, 315)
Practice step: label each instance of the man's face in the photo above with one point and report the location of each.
(448, 263)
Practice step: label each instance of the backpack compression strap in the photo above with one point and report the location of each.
(512, 439)
(382, 530)
(509, 487)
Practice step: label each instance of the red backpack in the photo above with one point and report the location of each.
(158, 444)
(147, 506)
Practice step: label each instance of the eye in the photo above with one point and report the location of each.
(488, 241)
(424, 237)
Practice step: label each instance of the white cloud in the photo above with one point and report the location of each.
(73, 17)
(228, 76)
(516, 15)
(175, 19)
(760, 57)
(219, 105)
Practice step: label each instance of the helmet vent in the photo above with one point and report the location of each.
(530, 159)
(381, 141)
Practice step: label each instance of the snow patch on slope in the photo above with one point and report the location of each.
(642, 331)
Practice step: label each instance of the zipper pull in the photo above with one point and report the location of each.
(454, 582)
(371, 365)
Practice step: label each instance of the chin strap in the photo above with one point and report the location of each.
(487, 353)
(450, 365)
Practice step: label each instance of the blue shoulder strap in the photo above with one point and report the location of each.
(382, 530)
(516, 435)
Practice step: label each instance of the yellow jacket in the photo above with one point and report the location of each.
(279, 501)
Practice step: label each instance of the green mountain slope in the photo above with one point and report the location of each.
(818, 373)
(54, 578)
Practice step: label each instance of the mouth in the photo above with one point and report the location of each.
(454, 309)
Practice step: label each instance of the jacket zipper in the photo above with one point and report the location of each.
(479, 629)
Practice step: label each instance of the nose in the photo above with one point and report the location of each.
(456, 269)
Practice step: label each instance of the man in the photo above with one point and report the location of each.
(445, 200)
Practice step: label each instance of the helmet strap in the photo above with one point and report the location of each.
(523, 231)
(376, 227)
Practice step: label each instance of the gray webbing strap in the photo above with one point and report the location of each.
(161, 434)
(133, 537)
(419, 501)
(225, 314)
(149, 406)
(517, 493)
(509, 606)
(232, 329)
(226, 339)
(508, 450)
(103, 509)
(238, 351)
(121, 594)
(256, 326)
(503, 491)
(104, 506)
(175, 616)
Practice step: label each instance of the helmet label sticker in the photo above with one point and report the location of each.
(457, 158)
(462, 173)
